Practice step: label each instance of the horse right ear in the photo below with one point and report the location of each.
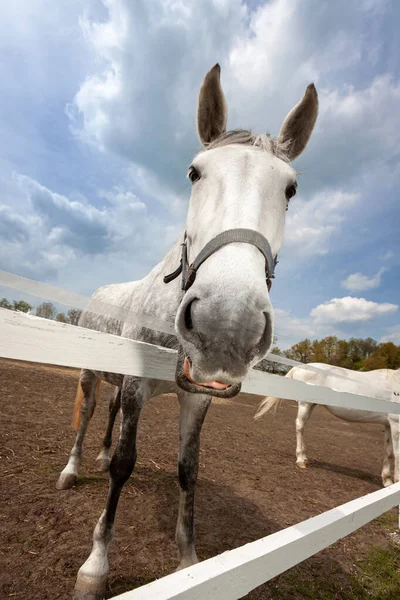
(212, 111)
(297, 128)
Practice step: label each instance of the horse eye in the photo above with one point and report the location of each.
(291, 191)
(193, 175)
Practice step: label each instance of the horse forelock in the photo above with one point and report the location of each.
(245, 137)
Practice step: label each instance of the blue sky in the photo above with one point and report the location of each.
(97, 124)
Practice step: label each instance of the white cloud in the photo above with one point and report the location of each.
(350, 310)
(393, 335)
(152, 187)
(358, 282)
(333, 318)
(58, 235)
(311, 225)
(290, 329)
(132, 80)
(388, 255)
(358, 133)
(140, 101)
(121, 223)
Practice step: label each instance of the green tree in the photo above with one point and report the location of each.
(4, 303)
(392, 354)
(385, 356)
(325, 350)
(367, 346)
(61, 318)
(22, 306)
(342, 358)
(360, 349)
(302, 351)
(375, 361)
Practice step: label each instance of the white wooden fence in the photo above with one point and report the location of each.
(232, 574)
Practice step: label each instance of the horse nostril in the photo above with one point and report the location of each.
(188, 315)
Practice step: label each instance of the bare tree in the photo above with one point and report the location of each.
(46, 310)
(73, 316)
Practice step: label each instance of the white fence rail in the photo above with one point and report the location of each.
(235, 573)
(29, 338)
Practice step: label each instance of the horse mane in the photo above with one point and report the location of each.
(245, 137)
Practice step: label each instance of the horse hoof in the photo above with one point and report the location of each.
(187, 562)
(302, 465)
(102, 465)
(387, 482)
(88, 588)
(66, 481)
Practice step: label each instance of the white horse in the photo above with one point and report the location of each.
(219, 301)
(357, 382)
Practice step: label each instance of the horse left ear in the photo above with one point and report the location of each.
(212, 111)
(297, 127)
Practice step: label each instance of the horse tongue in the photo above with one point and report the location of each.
(216, 385)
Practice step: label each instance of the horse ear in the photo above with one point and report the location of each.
(212, 111)
(297, 127)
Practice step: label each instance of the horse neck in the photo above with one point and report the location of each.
(155, 297)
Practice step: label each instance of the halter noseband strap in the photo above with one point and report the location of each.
(230, 236)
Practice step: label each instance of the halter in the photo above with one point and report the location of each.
(230, 236)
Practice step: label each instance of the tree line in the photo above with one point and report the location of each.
(357, 354)
(46, 310)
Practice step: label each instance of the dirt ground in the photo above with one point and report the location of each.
(248, 487)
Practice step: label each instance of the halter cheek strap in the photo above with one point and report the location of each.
(230, 236)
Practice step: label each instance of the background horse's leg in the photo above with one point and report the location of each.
(387, 474)
(193, 411)
(103, 459)
(303, 414)
(69, 475)
(92, 576)
(394, 428)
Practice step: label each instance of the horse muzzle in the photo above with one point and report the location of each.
(214, 388)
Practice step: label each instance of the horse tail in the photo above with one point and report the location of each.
(266, 405)
(76, 418)
(270, 402)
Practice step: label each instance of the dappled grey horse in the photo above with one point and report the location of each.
(214, 283)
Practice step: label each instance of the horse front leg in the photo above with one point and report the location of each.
(92, 576)
(69, 475)
(103, 459)
(303, 414)
(193, 409)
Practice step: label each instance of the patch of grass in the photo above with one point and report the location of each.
(375, 577)
(305, 583)
(389, 520)
(380, 574)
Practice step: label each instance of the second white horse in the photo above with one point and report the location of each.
(357, 382)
